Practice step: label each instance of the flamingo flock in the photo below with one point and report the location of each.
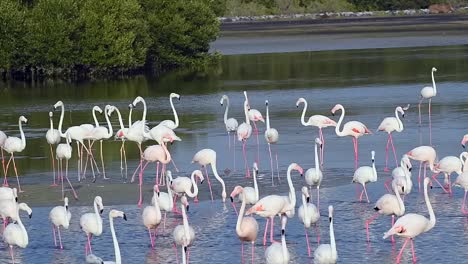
(408, 225)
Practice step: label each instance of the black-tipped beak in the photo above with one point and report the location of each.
(16, 199)
(329, 219)
(307, 199)
(297, 106)
(266, 104)
(125, 217)
(282, 232)
(333, 114)
(372, 160)
(157, 194)
(403, 188)
(256, 171)
(187, 207)
(66, 207)
(403, 115)
(185, 249)
(221, 104)
(202, 182)
(410, 169)
(463, 146)
(302, 174)
(102, 210)
(232, 199)
(179, 97)
(30, 215)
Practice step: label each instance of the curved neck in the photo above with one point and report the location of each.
(284, 248)
(143, 118)
(464, 161)
(303, 114)
(51, 123)
(337, 128)
(432, 219)
(317, 168)
(169, 190)
(176, 118)
(130, 117)
(61, 121)
(110, 131)
(98, 215)
(240, 217)
(23, 139)
(185, 221)
(215, 172)
(255, 184)
(24, 233)
(332, 239)
(195, 187)
(400, 124)
(304, 204)
(94, 117)
(120, 119)
(267, 118)
(400, 201)
(433, 84)
(226, 110)
(118, 259)
(156, 201)
(168, 155)
(292, 191)
(246, 111)
(374, 171)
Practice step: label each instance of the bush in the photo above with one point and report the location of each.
(12, 30)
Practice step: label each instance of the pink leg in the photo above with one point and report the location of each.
(271, 165)
(258, 145)
(229, 141)
(61, 177)
(355, 143)
(277, 166)
(60, 237)
(69, 183)
(151, 238)
(463, 204)
(365, 191)
(318, 233)
(368, 221)
(247, 171)
(307, 240)
(176, 255)
(16, 172)
(209, 183)
(253, 251)
(265, 233)
(5, 183)
(4, 170)
(386, 153)
(419, 110)
(12, 254)
(386, 184)
(173, 164)
(156, 181)
(271, 230)
(412, 241)
(401, 251)
(318, 198)
(434, 177)
(235, 209)
(430, 125)
(53, 164)
(394, 152)
(53, 232)
(393, 222)
(164, 223)
(242, 251)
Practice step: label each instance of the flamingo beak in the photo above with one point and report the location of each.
(403, 115)
(125, 217)
(410, 169)
(187, 207)
(102, 210)
(16, 199)
(30, 215)
(282, 232)
(329, 219)
(463, 145)
(307, 199)
(202, 181)
(66, 207)
(232, 199)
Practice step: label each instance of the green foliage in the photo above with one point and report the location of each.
(12, 31)
(390, 4)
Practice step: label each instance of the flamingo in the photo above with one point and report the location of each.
(152, 215)
(118, 259)
(230, 123)
(272, 205)
(244, 131)
(15, 234)
(448, 165)
(60, 216)
(184, 235)
(91, 223)
(464, 160)
(427, 93)
(354, 129)
(410, 226)
(365, 174)
(64, 151)
(425, 155)
(255, 116)
(136, 131)
(462, 181)
(402, 176)
(205, 157)
(271, 136)
(251, 194)
(309, 215)
(319, 121)
(314, 176)
(90, 131)
(3, 137)
(53, 138)
(278, 253)
(246, 227)
(165, 200)
(183, 185)
(388, 204)
(120, 134)
(169, 123)
(8, 206)
(390, 124)
(326, 253)
(12, 145)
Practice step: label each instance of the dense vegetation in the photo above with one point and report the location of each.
(87, 38)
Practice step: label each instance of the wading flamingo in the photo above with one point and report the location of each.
(12, 145)
(319, 121)
(118, 259)
(165, 200)
(354, 129)
(365, 174)
(231, 125)
(326, 253)
(8, 206)
(309, 215)
(410, 226)
(184, 235)
(53, 138)
(255, 116)
(15, 234)
(250, 194)
(462, 181)
(272, 205)
(246, 227)
(120, 134)
(169, 123)
(91, 223)
(91, 138)
(60, 216)
(3, 137)
(447, 166)
(388, 204)
(390, 124)
(64, 151)
(278, 253)
(244, 131)
(271, 136)
(425, 155)
(205, 157)
(427, 93)
(152, 215)
(183, 185)
(314, 176)
(402, 177)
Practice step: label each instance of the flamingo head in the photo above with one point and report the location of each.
(464, 140)
(51, 114)
(57, 104)
(335, 108)
(295, 166)
(110, 109)
(65, 203)
(373, 156)
(255, 167)
(174, 95)
(330, 212)
(434, 69)
(224, 97)
(116, 213)
(184, 202)
(97, 108)
(98, 201)
(156, 189)
(238, 189)
(299, 101)
(137, 100)
(130, 106)
(266, 102)
(25, 207)
(407, 162)
(23, 119)
(305, 192)
(199, 175)
(400, 110)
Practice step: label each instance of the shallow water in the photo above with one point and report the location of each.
(369, 83)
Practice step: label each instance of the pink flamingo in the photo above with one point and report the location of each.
(390, 124)
(184, 185)
(120, 134)
(464, 140)
(14, 144)
(136, 131)
(427, 93)
(319, 121)
(53, 138)
(401, 176)
(309, 215)
(412, 225)
(365, 174)
(250, 195)
(354, 129)
(152, 215)
(271, 136)
(272, 205)
(314, 176)
(231, 125)
(462, 181)
(246, 227)
(255, 116)
(91, 223)
(244, 131)
(205, 157)
(425, 155)
(447, 166)
(388, 204)
(169, 123)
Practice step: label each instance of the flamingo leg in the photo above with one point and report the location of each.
(247, 171)
(393, 222)
(277, 165)
(69, 183)
(157, 173)
(134, 173)
(140, 185)
(419, 109)
(419, 177)
(164, 223)
(16, 173)
(5, 182)
(271, 230)
(318, 233)
(365, 191)
(355, 142)
(386, 153)
(253, 251)
(125, 159)
(265, 233)
(61, 177)
(368, 221)
(318, 198)
(102, 162)
(271, 165)
(60, 237)
(229, 140)
(430, 127)
(7, 167)
(234, 150)
(401, 251)
(53, 164)
(235, 209)
(151, 238)
(258, 145)
(322, 147)
(463, 204)
(121, 160)
(307, 241)
(242, 251)
(86, 163)
(53, 232)
(434, 177)
(393, 148)
(209, 183)
(176, 254)
(78, 159)
(12, 254)
(412, 243)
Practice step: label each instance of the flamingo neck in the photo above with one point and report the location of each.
(226, 110)
(400, 201)
(184, 258)
(464, 161)
(23, 139)
(267, 118)
(400, 124)
(332, 240)
(337, 128)
(215, 172)
(98, 216)
(120, 119)
(432, 219)
(246, 112)
(176, 117)
(110, 131)
(284, 248)
(61, 120)
(303, 114)
(130, 117)
(51, 123)
(118, 259)
(95, 118)
(255, 184)
(292, 191)
(433, 84)
(143, 118)
(168, 155)
(195, 187)
(185, 222)
(304, 204)
(240, 217)
(317, 166)
(374, 171)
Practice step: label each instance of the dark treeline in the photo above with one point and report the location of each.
(75, 39)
